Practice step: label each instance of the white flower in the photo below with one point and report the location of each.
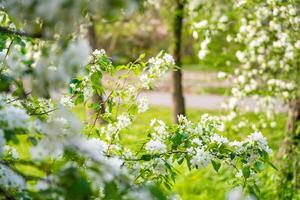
(297, 44)
(140, 194)
(10, 179)
(143, 105)
(233, 102)
(98, 52)
(146, 81)
(2, 141)
(205, 42)
(93, 147)
(87, 92)
(236, 144)
(195, 35)
(169, 59)
(153, 121)
(229, 38)
(156, 146)
(201, 24)
(202, 54)
(221, 127)
(240, 2)
(123, 121)
(11, 152)
(221, 75)
(67, 101)
(197, 141)
(261, 140)
(218, 139)
(182, 119)
(238, 194)
(42, 185)
(241, 56)
(109, 130)
(223, 19)
(241, 79)
(113, 168)
(161, 128)
(273, 124)
(239, 174)
(14, 117)
(201, 158)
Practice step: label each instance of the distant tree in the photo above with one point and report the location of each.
(177, 88)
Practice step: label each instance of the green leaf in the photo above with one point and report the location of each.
(111, 191)
(79, 99)
(146, 157)
(246, 172)
(168, 186)
(272, 165)
(259, 166)
(79, 189)
(156, 192)
(216, 165)
(32, 140)
(142, 56)
(180, 160)
(177, 139)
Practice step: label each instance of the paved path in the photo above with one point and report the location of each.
(212, 102)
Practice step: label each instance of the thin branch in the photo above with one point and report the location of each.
(21, 33)
(19, 98)
(44, 113)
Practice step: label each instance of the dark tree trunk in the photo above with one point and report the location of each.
(289, 155)
(177, 90)
(96, 97)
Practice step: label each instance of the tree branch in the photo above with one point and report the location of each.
(20, 33)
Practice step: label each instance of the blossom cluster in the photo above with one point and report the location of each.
(200, 144)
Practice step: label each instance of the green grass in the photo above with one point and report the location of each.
(214, 90)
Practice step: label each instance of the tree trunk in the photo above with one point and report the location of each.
(289, 155)
(96, 97)
(177, 90)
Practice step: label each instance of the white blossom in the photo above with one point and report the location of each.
(237, 193)
(201, 24)
(202, 54)
(67, 101)
(261, 140)
(221, 75)
(14, 117)
(201, 158)
(123, 121)
(218, 139)
(143, 105)
(10, 179)
(156, 146)
(169, 59)
(93, 147)
(2, 141)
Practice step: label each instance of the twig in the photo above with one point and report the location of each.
(19, 98)
(20, 33)
(43, 113)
